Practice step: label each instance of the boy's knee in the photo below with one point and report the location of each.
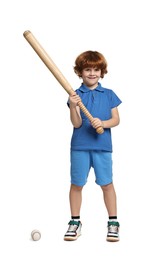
(76, 188)
(107, 187)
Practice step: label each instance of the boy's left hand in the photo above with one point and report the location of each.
(96, 122)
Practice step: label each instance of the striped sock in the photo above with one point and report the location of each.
(76, 218)
(112, 218)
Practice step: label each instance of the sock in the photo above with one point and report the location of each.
(76, 218)
(112, 218)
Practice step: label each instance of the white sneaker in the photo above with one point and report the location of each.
(74, 230)
(113, 231)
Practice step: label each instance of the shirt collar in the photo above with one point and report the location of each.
(85, 89)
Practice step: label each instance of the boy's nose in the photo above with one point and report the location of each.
(92, 72)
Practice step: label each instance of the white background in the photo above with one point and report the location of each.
(35, 129)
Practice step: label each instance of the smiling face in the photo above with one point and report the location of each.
(90, 66)
(91, 77)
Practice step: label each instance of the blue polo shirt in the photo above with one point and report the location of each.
(99, 103)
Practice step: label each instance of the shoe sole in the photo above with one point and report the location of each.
(112, 239)
(71, 238)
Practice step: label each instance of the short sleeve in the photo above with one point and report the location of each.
(114, 99)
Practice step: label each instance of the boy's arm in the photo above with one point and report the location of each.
(113, 121)
(75, 111)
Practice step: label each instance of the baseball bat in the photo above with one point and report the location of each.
(56, 72)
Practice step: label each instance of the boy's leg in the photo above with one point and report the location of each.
(110, 203)
(109, 195)
(80, 165)
(74, 230)
(75, 197)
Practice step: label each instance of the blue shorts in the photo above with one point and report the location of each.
(82, 161)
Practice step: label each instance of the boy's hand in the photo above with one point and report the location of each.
(74, 99)
(96, 122)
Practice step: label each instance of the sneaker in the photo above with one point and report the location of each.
(74, 230)
(113, 231)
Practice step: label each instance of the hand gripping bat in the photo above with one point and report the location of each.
(56, 72)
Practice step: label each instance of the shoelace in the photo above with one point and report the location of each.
(112, 229)
(72, 228)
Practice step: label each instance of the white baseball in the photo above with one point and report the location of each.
(36, 235)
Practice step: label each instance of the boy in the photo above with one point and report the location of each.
(88, 148)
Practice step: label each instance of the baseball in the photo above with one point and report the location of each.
(36, 235)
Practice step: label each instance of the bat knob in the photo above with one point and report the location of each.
(100, 130)
(26, 33)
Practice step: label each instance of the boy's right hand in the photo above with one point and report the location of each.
(74, 99)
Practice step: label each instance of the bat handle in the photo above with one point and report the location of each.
(99, 129)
